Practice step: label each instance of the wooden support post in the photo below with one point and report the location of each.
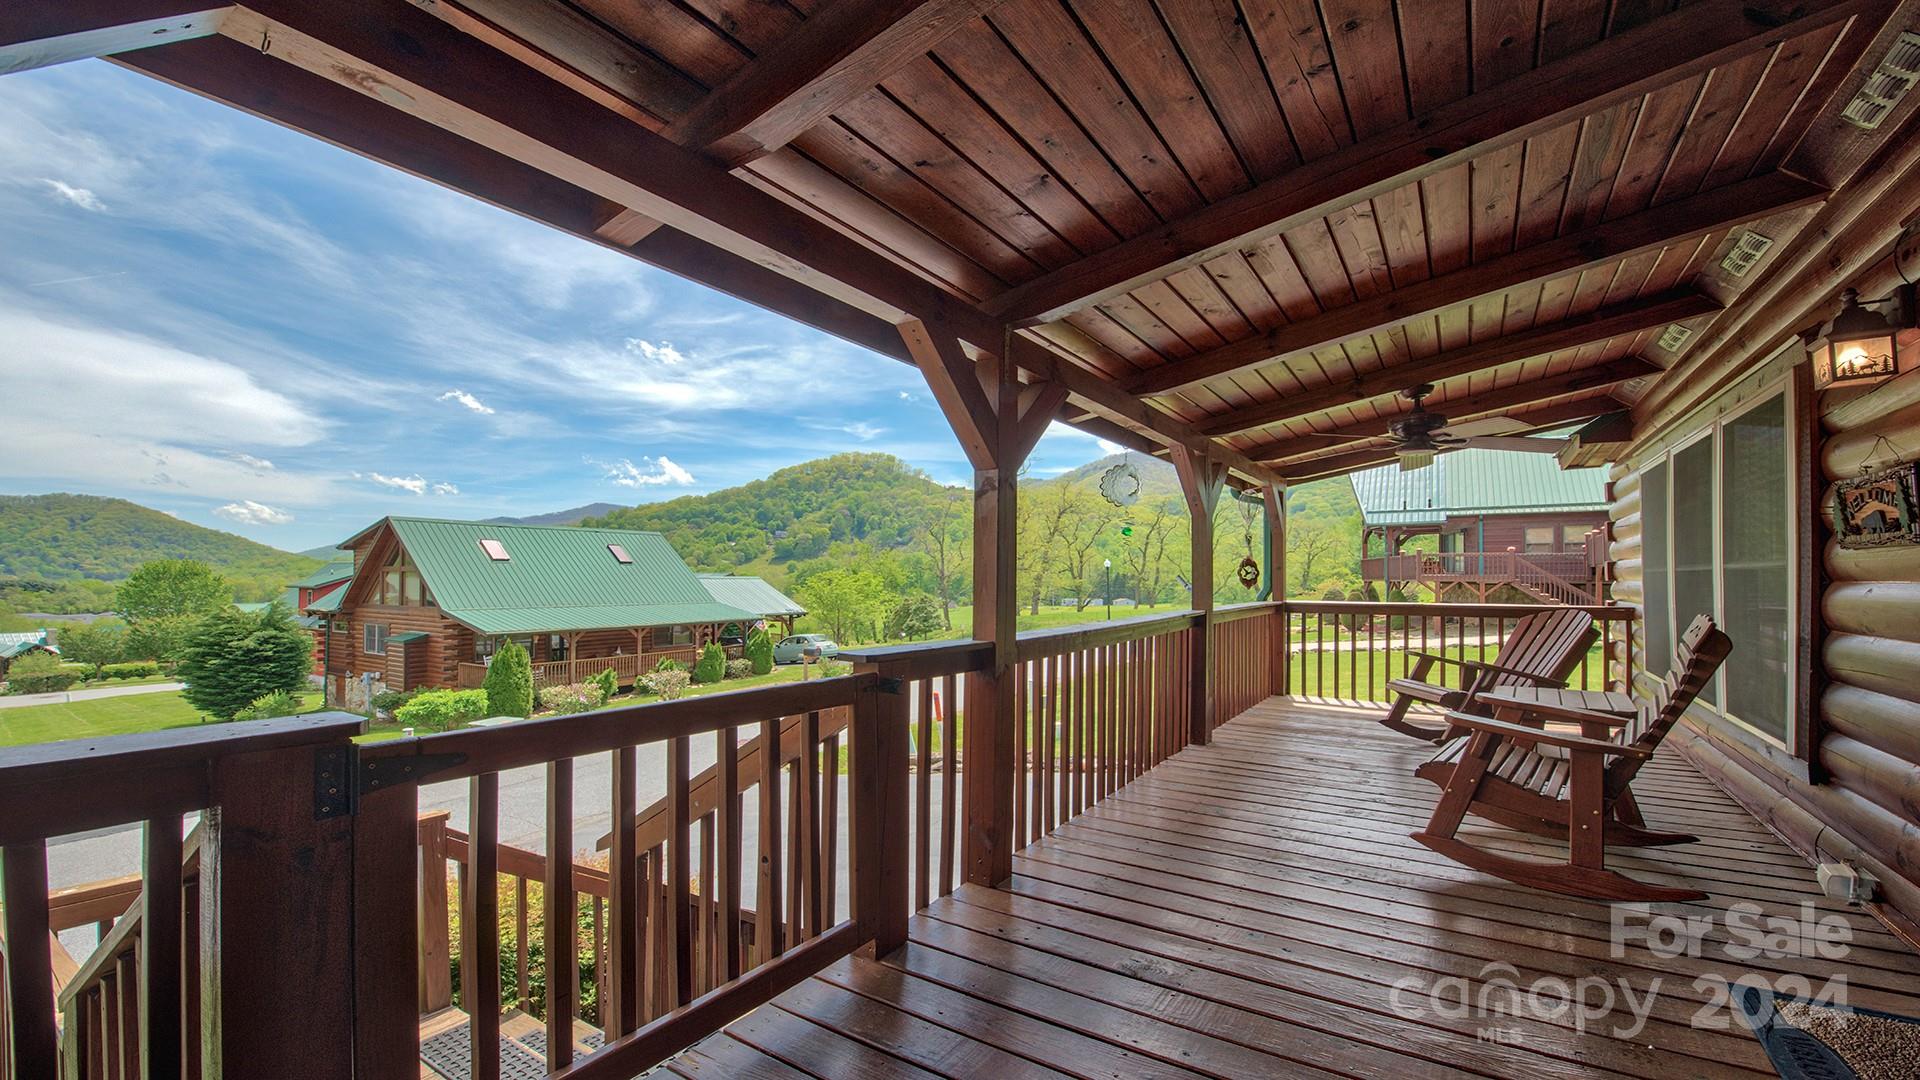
(386, 935)
(436, 975)
(1274, 498)
(882, 876)
(997, 421)
(1201, 480)
(277, 898)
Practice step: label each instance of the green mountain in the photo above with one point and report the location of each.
(1158, 480)
(560, 517)
(795, 514)
(62, 552)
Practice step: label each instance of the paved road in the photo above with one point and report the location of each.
(19, 701)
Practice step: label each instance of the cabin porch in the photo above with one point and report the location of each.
(1254, 907)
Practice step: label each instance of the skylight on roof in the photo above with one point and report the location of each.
(619, 554)
(495, 550)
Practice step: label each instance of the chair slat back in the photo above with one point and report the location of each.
(1547, 643)
(1703, 648)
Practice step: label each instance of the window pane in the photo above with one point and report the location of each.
(1693, 590)
(411, 585)
(1657, 585)
(1575, 535)
(391, 593)
(1754, 512)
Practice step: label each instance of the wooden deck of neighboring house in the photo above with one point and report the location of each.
(1254, 907)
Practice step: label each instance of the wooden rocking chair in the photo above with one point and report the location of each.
(1541, 650)
(1560, 785)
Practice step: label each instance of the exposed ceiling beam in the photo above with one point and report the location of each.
(41, 35)
(833, 57)
(1516, 396)
(423, 67)
(1324, 468)
(1613, 321)
(1648, 230)
(1662, 51)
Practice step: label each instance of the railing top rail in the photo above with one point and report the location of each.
(1600, 612)
(1244, 610)
(1037, 643)
(458, 754)
(925, 659)
(934, 658)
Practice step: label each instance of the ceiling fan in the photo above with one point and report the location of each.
(1422, 433)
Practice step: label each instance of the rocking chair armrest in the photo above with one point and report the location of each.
(1536, 736)
(1533, 677)
(1566, 713)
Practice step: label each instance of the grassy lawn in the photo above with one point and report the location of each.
(106, 684)
(107, 716)
(1362, 675)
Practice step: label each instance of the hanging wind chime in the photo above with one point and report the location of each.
(1249, 570)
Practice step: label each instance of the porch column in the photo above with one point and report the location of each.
(1201, 479)
(997, 421)
(1274, 498)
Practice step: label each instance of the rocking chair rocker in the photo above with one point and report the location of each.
(1560, 785)
(1541, 650)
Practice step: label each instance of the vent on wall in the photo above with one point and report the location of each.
(1889, 83)
(1747, 249)
(1674, 337)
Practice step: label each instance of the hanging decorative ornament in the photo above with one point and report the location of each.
(1249, 572)
(1120, 485)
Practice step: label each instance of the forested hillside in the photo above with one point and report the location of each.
(61, 553)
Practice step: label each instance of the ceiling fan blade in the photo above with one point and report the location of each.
(1410, 462)
(1519, 443)
(1488, 425)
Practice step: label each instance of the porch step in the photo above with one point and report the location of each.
(446, 1041)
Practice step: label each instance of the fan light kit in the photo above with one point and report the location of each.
(1422, 433)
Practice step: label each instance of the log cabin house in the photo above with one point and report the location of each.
(1509, 527)
(1170, 845)
(430, 601)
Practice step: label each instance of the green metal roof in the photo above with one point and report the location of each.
(19, 644)
(1476, 482)
(405, 636)
(556, 578)
(329, 602)
(326, 575)
(751, 593)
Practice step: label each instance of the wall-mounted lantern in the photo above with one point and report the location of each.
(1858, 346)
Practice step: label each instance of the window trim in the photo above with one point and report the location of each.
(367, 632)
(1783, 388)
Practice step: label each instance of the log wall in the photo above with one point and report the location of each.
(1858, 797)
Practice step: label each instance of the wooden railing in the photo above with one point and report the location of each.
(1567, 577)
(626, 667)
(1350, 650)
(333, 914)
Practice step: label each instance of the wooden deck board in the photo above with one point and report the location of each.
(1256, 908)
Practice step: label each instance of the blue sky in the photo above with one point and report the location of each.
(255, 331)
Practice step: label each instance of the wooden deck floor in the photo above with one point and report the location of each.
(1254, 908)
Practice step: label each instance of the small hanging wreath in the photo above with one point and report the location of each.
(1120, 485)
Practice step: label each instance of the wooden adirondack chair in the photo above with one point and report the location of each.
(1541, 650)
(1560, 785)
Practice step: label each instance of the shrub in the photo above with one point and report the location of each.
(668, 663)
(607, 682)
(387, 701)
(712, 665)
(39, 673)
(760, 650)
(443, 710)
(573, 698)
(509, 682)
(132, 669)
(668, 684)
(268, 706)
(233, 657)
(832, 668)
(912, 617)
(739, 669)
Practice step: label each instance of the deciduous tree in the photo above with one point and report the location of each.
(168, 587)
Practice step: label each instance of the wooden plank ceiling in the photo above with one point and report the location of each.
(1264, 217)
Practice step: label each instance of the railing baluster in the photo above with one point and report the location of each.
(829, 835)
(1022, 695)
(562, 929)
(480, 924)
(706, 959)
(623, 896)
(128, 981)
(521, 971)
(727, 743)
(766, 901)
(808, 817)
(923, 799)
(949, 784)
(161, 928)
(679, 875)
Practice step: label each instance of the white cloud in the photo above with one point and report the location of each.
(650, 472)
(248, 512)
(444, 488)
(416, 483)
(78, 196)
(250, 461)
(1056, 428)
(468, 400)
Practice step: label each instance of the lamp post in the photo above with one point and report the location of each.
(1108, 564)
